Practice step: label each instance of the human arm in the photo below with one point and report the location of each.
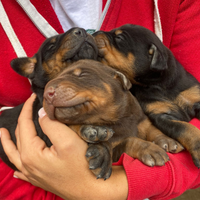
(62, 168)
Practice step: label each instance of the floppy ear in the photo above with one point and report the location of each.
(126, 84)
(24, 66)
(158, 59)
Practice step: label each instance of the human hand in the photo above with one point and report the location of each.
(62, 168)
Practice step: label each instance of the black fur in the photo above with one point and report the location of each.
(73, 45)
(157, 78)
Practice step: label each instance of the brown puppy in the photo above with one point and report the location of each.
(88, 92)
(168, 94)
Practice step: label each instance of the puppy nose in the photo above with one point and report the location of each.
(80, 32)
(49, 94)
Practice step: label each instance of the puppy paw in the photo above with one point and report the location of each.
(195, 152)
(153, 155)
(99, 157)
(96, 133)
(169, 144)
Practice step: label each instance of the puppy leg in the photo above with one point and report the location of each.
(147, 131)
(187, 134)
(147, 152)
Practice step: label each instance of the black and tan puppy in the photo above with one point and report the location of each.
(89, 92)
(55, 54)
(168, 94)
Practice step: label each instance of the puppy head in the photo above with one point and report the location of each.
(55, 54)
(133, 50)
(86, 91)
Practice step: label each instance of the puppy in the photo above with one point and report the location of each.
(55, 54)
(168, 94)
(88, 92)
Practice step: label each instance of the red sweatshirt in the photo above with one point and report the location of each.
(180, 21)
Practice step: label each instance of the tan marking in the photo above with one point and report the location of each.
(103, 102)
(53, 68)
(115, 143)
(189, 137)
(118, 61)
(77, 71)
(29, 67)
(55, 65)
(108, 89)
(117, 32)
(115, 59)
(143, 128)
(160, 107)
(53, 40)
(188, 97)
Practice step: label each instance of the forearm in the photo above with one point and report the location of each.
(90, 188)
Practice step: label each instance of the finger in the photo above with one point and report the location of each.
(26, 127)
(57, 132)
(20, 175)
(27, 108)
(10, 148)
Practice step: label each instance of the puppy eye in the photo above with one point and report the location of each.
(80, 73)
(51, 47)
(119, 37)
(83, 74)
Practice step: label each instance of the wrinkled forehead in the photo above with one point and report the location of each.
(52, 40)
(137, 31)
(91, 66)
(124, 28)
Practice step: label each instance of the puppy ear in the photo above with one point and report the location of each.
(124, 80)
(158, 59)
(24, 66)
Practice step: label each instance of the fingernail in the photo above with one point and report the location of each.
(33, 94)
(14, 176)
(41, 113)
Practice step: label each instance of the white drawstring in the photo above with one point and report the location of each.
(44, 27)
(10, 32)
(157, 21)
(103, 15)
(4, 21)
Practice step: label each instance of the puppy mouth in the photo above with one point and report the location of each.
(65, 110)
(86, 49)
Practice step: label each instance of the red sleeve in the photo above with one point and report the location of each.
(16, 189)
(166, 182)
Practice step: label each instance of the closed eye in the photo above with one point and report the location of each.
(79, 73)
(84, 74)
(51, 47)
(119, 37)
